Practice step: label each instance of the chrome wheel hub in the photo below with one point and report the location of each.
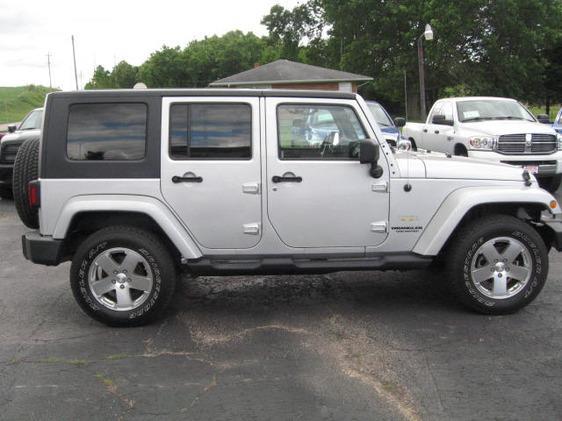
(501, 267)
(120, 279)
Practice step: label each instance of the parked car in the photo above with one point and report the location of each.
(557, 125)
(29, 128)
(385, 122)
(135, 186)
(496, 129)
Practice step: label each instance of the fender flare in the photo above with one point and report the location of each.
(461, 201)
(151, 207)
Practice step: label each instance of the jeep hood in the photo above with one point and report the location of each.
(501, 127)
(438, 165)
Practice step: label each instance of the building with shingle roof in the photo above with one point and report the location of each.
(286, 74)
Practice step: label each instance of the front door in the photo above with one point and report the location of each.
(211, 175)
(319, 195)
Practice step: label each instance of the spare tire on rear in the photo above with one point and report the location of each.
(25, 170)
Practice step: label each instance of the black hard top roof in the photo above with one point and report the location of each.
(144, 93)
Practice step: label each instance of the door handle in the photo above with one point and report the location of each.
(286, 179)
(189, 179)
(425, 130)
(436, 131)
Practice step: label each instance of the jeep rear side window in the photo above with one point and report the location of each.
(330, 132)
(210, 131)
(107, 132)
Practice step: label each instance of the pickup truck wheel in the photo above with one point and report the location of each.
(26, 169)
(414, 146)
(550, 184)
(123, 276)
(497, 265)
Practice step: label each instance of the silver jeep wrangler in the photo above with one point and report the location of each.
(137, 186)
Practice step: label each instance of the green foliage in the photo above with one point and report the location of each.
(481, 47)
(16, 102)
(123, 76)
(204, 61)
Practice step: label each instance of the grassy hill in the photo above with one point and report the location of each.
(16, 102)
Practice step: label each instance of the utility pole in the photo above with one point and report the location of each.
(405, 95)
(74, 57)
(49, 65)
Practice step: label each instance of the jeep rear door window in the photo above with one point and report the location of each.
(210, 131)
(318, 132)
(107, 132)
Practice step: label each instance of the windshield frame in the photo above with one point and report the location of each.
(531, 118)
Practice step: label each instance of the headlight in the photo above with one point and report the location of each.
(482, 142)
(559, 137)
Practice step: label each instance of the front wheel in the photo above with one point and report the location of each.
(123, 276)
(550, 184)
(497, 265)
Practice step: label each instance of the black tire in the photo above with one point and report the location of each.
(550, 184)
(156, 255)
(466, 244)
(25, 170)
(6, 192)
(414, 146)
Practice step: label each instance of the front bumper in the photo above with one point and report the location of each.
(548, 165)
(42, 250)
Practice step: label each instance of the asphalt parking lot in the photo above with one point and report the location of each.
(345, 346)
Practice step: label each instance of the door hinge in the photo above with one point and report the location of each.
(381, 187)
(252, 229)
(378, 227)
(251, 188)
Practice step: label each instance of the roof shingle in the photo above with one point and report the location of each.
(285, 71)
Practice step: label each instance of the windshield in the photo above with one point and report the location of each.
(492, 109)
(381, 117)
(32, 121)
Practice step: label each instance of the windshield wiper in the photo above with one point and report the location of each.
(466, 120)
(509, 117)
(28, 128)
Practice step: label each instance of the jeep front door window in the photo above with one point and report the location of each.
(318, 132)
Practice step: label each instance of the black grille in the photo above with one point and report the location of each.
(516, 144)
(8, 153)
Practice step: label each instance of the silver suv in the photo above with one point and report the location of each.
(138, 186)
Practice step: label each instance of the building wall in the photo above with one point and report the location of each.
(333, 86)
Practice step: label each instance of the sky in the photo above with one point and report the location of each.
(108, 31)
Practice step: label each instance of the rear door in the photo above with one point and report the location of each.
(211, 173)
(319, 195)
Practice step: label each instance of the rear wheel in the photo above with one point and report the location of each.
(26, 170)
(550, 184)
(497, 265)
(123, 276)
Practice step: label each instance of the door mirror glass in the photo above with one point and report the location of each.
(368, 152)
(399, 121)
(12, 129)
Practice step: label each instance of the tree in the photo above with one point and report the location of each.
(124, 75)
(101, 79)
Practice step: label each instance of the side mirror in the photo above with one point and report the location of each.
(369, 154)
(12, 128)
(399, 121)
(441, 119)
(333, 138)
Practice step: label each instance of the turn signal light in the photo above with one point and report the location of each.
(553, 204)
(34, 194)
